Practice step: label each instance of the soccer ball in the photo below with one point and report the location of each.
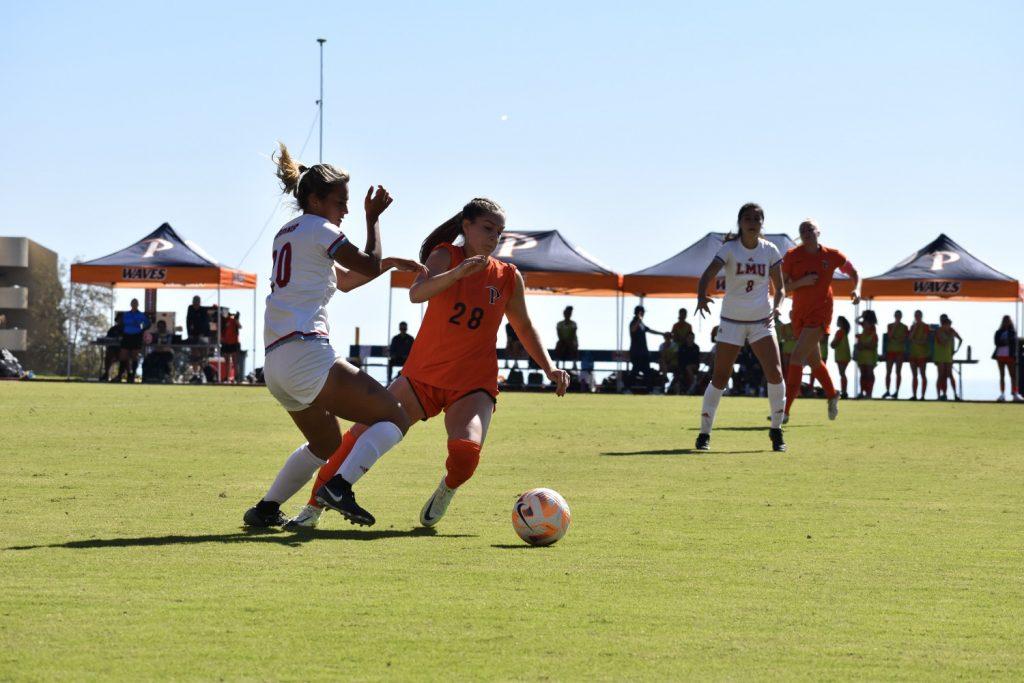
(541, 516)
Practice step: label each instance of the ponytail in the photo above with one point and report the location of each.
(446, 232)
(302, 181)
(452, 228)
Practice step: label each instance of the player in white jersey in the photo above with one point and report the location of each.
(748, 316)
(313, 259)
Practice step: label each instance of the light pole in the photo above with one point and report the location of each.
(320, 102)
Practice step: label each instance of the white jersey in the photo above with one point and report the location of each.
(302, 280)
(747, 291)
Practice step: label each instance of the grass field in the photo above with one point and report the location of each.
(885, 545)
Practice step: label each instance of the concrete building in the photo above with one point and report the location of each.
(29, 288)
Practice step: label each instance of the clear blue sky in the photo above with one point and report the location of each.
(632, 127)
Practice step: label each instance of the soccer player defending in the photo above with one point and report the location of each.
(748, 316)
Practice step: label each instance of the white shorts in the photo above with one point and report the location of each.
(738, 334)
(296, 371)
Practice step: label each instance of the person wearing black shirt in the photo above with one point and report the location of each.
(197, 325)
(113, 352)
(513, 347)
(398, 351)
(639, 355)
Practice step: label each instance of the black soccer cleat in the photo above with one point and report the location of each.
(337, 495)
(778, 443)
(703, 442)
(263, 516)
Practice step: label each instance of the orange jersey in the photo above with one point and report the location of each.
(798, 262)
(456, 347)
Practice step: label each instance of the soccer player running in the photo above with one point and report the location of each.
(748, 316)
(895, 349)
(453, 366)
(312, 259)
(809, 269)
(919, 354)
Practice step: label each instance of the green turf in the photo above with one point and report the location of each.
(885, 545)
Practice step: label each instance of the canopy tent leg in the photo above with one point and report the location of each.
(216, 350)
(856, 368)
(252, 364)
(387, 332)
(71, 307)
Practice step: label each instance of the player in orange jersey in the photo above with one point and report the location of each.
(453, 365)
(808, 270)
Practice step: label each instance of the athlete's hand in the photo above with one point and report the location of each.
(471, 266)
(703, 305)
(376, 202)
(855, 298)
(404, 264)
(560, 378)
(809, 280)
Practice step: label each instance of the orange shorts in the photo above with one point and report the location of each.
(816, 317)
(433, 400)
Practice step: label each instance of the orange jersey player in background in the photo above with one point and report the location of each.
(453, 365)
(809, 269)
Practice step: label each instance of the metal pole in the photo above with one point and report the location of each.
(856, 367)
(252, 368)
(217, 351)
(387, 332)
(71, 308)
(320, 102)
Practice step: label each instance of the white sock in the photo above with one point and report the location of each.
(777, 401)
(712, 395)
(373, 443)
(296, 472)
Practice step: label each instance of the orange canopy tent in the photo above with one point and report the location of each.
(942, 269)
(163, 259)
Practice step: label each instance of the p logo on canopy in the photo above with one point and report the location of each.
(941, 258)
(155, 245)
(512, 242)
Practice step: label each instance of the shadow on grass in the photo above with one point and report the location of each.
(763, 428)
(258, 536)
(680, 451)
(517, 546)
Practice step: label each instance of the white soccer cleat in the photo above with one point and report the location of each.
(833, 407)
(307, 518)
(436, 505)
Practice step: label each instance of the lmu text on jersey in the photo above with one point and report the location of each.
(751, 269)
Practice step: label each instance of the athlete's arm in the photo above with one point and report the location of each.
(367, 261)
(438, 277)
(848, 269)
(519, 317)
(703, 300)
(959, 339)
(350, 279)
(780, 287)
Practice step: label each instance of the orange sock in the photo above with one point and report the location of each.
(348, 440)
(794, 375)
(463, 457)
(820, 373)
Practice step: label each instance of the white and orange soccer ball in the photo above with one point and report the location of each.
(541, 516)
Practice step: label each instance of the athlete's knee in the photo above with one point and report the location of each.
(463, 458)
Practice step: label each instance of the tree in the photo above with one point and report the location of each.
(86, 315)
